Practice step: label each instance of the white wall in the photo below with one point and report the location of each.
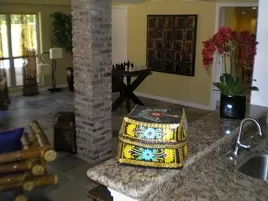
(119, 34)
(261, 60)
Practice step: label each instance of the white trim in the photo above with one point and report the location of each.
(119, 196)
(216, 69)
(174, 101)
(237, 4)
(40, 89)
(125, 7)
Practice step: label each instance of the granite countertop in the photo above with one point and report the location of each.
(206, 135)
(218, 179)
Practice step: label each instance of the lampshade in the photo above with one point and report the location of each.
(44, 69)
(55, 53)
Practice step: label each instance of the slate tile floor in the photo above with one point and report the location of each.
(73, 182)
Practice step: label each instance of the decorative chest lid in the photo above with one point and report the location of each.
(156, 116)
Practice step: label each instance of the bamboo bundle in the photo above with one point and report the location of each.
(39, 134)
(30, 70)
(35, 152)
(21, 198)
(3, 82)
(29, 73)
(25, 141)
(31, 160)
(41, 140)
(12, 179)
(28, 183)
(33, 140)
(35, 166)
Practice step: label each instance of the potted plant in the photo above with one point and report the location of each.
(233, 91)
(62, 31)
(62, 37)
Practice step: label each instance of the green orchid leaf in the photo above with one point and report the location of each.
(230, 83)
(253, 88)
(222, 79)
(236, 80)
(239, 87)
(222, 87)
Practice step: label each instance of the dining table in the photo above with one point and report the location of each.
(133, 80)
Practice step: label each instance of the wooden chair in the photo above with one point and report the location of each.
(117, 84)
(117, 80)
(25, 170)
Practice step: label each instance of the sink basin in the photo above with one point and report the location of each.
(255, 166)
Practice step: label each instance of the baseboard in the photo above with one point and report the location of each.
(40, 89)
(174, 101)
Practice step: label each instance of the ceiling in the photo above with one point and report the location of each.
(246, 11)
(51, 2)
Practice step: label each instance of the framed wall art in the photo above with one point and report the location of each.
(171, 41)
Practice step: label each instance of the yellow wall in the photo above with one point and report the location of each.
(238, 21)
(244, 22)
(45, 11)
(195, 89)
(230, 18)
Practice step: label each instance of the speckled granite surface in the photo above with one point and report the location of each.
(220, 180)
(208, 135)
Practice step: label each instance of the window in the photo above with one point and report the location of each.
(18, 35)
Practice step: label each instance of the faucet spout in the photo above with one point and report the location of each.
(238, 144)
(242, 126)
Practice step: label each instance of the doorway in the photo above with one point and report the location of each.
(119, 34)
(239, 17)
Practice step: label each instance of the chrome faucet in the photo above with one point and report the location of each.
(233, 154)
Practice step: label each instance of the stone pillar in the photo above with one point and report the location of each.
(92, 61)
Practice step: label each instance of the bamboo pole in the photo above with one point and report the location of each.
(42, 140)
(32, 139)
(21, 155)
(49, 154)
(31, 182)
(21, 198)
(13, 179)
(35, 166)
(14, 167)
(39, 133)
(35, 152)
(25, 141)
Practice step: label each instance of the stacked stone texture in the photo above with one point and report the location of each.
(92, 61)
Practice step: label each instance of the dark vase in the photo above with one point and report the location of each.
(70, 78)
(233, 107)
